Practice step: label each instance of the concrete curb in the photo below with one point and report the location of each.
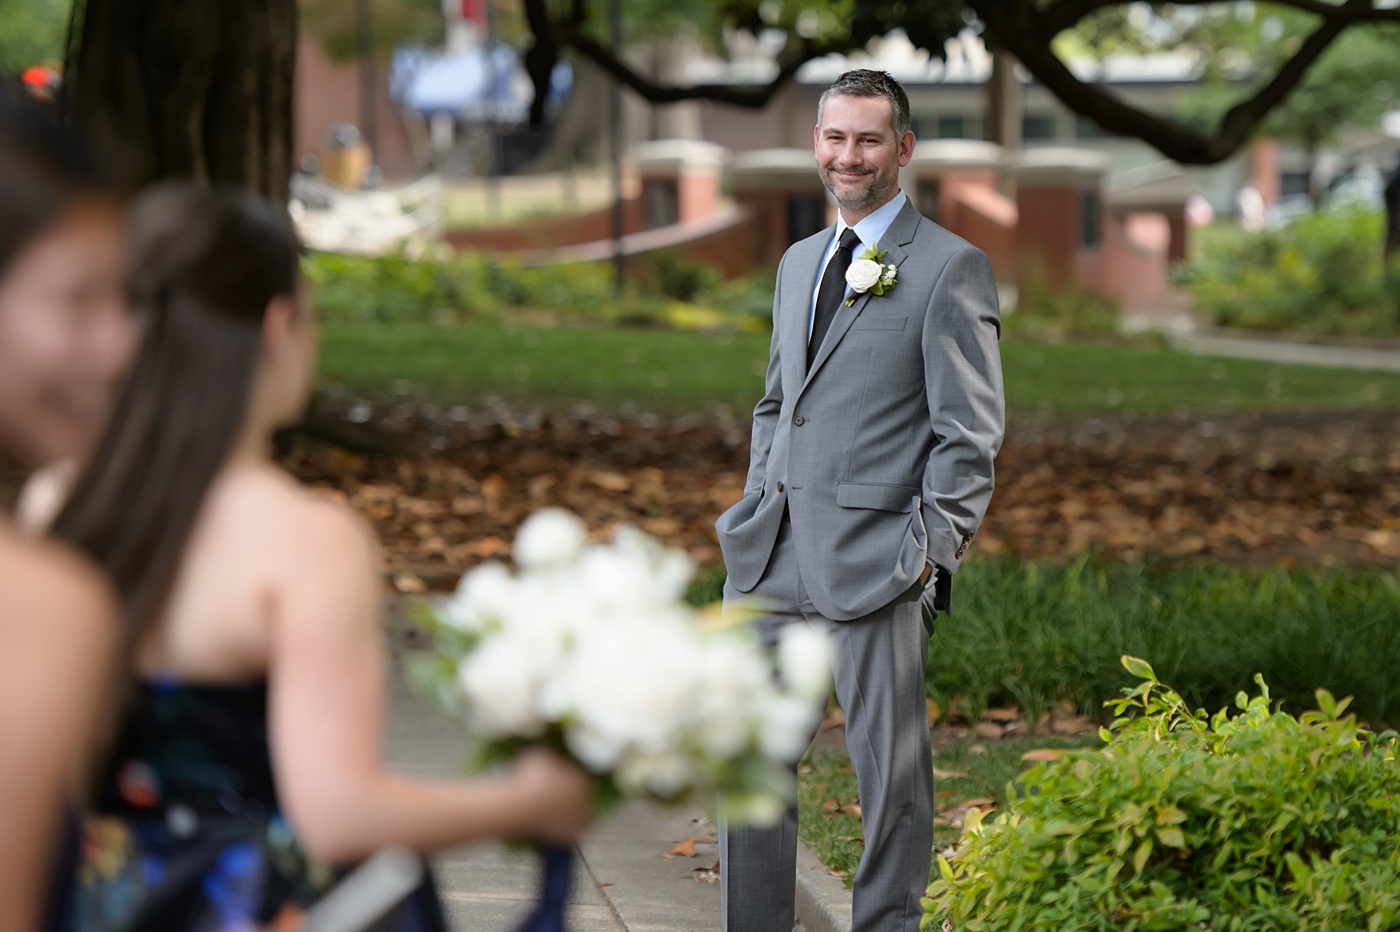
(823, 902)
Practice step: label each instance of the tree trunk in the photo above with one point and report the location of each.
(1003, 112)
(580, 132)
(199, 91)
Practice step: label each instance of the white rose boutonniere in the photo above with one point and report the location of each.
(869, 272)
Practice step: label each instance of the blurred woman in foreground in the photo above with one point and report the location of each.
(65, 339)
(249, 758)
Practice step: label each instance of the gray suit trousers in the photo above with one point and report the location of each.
(879, 662)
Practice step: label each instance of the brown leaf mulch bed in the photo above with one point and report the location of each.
(1300, 488)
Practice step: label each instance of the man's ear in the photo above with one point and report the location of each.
(816, 135)
(278, 321)
(906, 148)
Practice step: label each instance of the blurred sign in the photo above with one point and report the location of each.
(475, 10)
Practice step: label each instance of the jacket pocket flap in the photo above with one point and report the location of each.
(868, 321)
(880, 497)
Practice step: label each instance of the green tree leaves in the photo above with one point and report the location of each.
(30, 32)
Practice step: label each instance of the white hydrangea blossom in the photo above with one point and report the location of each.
(804, 661)
(549, 537)
(594, 644)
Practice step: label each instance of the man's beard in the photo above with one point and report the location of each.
(867, 196)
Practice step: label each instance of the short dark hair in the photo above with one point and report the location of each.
(864, 82)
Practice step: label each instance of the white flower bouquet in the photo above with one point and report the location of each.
(592, 649)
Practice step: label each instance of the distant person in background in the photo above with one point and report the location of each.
(247, 768)
(1250, 209)
(1198, 211)
(65, 338)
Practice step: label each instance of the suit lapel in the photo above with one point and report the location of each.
(797, 315)
(899, 235)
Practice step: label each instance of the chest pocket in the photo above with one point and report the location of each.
(870, 321)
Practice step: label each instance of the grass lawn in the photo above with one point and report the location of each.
(965, 771)
(668, 372)
(1035, 635)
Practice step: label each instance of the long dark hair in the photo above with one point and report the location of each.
(205, 264)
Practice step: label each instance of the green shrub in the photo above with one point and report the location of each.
(1260, 821)
(1321, 274)
(684, 279)
(747, 299)
(388, 289)
(1044, 313)
(436, 289)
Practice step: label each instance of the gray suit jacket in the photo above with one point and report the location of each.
(882, 452)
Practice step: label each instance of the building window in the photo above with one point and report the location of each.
(660, 203)
(927, 197)
(1090, 221)
(1293, 184)
(1085, 128)
(806, 216)
(952, 126)
(1038, 126)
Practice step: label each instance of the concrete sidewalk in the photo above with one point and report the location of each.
(1280, 350)
(624, 882)
(1184, 333)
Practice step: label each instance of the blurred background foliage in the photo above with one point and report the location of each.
(1322, 274)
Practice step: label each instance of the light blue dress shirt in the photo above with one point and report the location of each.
(869, 229)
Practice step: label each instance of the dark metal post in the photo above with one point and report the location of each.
(615, 40)
(367, 78)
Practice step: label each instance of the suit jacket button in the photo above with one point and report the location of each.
(780, 486)
(799, 420)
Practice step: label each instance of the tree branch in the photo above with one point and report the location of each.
(1025, 37)
(752, 96)
(541, 58)
(1025, 30)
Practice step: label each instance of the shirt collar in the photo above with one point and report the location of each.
(874, 226)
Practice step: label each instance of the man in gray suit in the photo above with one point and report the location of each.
(870, 470)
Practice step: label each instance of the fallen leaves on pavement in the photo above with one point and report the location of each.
(707, 874)
(686, 849)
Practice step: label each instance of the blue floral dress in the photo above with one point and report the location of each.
(187, 834)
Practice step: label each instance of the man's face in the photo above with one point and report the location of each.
(858, 154)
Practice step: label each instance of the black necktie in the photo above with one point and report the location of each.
(832, 292)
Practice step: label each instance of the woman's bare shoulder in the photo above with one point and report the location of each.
(50, 587)
(307, 520)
